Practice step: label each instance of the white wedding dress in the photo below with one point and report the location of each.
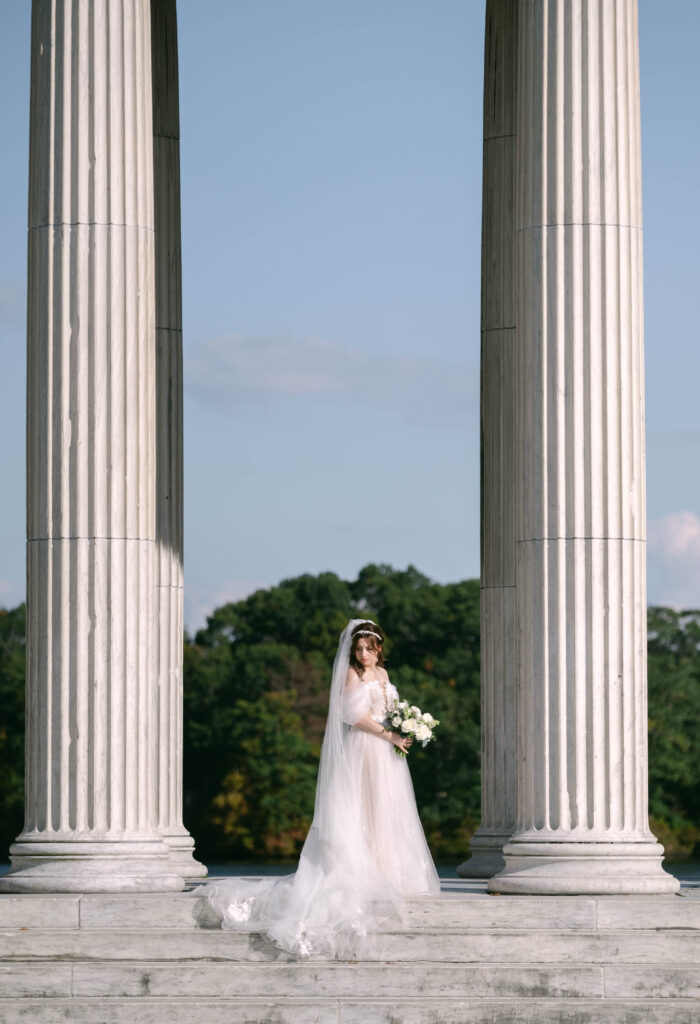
(389, 817)
(365, 850)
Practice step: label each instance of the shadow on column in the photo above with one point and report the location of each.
(498, 339)
(167, 748)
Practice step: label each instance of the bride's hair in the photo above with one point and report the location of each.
(370, 632)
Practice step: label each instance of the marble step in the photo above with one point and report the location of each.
(463, 957)
(452, 911)
(353, 1011)
(312, 981)
(345, 981)
(678, 946)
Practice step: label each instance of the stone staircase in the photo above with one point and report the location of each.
(462, 958)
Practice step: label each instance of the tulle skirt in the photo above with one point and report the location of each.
(390, 824)
(345, 888)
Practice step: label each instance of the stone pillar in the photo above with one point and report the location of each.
(90, 787)
(581, 594)
(498, 762)
(169, 504)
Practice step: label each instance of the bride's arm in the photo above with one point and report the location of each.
(356, 712)
(368, 724)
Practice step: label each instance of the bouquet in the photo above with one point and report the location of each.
(411, 721)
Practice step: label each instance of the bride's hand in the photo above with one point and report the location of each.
(402, 742)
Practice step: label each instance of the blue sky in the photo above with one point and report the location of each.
(331, 187)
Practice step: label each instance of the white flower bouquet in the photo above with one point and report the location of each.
(411, 721)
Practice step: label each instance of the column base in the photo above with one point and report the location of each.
(182, 860)
(588, 868)
(84, 865)
(486, 848)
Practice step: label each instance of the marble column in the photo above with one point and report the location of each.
(169, 496)
(90, 788)
(498, 762)
(580, 572)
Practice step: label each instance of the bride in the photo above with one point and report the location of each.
(365, 849)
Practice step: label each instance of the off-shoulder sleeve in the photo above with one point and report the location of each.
(355, 702)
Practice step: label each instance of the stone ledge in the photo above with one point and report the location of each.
(337, 980)
(470, 946)
(453, 910)
(352, 1011)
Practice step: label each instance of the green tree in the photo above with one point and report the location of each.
(674, 725)
(255, 700)
(306, 613)
(285, 638)
(266, 798)
(12, 669)
(274, 641)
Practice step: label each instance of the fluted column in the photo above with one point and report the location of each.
(498, 339)
(580, 573)
(90, 786)
(169, 505)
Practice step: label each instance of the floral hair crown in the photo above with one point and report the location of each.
(368, 632)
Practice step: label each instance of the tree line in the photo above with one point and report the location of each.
(255, 696)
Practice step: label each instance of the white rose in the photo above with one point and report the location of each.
(403, 704)
(428, 719)
(415, 711)
(408, 726)
(396, 720)
(422, 732)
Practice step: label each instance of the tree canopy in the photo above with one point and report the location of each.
(255, 697)
(281, 642)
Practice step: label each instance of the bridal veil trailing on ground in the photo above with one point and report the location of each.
(365, 850)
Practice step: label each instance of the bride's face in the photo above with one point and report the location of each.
(366, 656)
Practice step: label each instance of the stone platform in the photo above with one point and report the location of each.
(461, 958)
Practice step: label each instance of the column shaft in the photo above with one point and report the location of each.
(169, 504)
(90, 809)
(581, 593)
(498, 339)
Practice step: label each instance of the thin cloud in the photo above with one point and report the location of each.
(267, 369)
(673, 565)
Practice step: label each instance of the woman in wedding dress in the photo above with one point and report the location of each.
(365, 850)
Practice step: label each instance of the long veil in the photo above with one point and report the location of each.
(337, 894)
